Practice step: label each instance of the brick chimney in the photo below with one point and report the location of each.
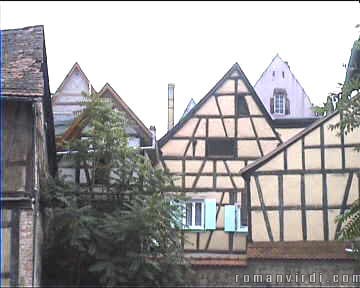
(170, 105)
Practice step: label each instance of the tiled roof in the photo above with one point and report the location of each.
(316, 250)
(22, 56)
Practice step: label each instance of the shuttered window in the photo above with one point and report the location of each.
(200, 214)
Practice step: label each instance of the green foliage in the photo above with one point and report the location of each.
(125, 231)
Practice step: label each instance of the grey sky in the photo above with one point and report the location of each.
(139, 47)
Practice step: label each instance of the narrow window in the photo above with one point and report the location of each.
(189, 214)
(279, 104)
(242, 107)
(273, 73)
(283, 74)
(194, 214)
(220, 148)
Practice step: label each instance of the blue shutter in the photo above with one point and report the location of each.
(229, 218)
(210, 214)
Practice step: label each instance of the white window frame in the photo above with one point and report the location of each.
(276, 111)
(193, 226)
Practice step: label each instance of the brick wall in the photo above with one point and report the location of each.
(26, 248)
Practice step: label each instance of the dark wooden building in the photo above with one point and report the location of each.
(27, 152)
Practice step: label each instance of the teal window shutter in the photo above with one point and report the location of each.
(229, 218)
(210, 214)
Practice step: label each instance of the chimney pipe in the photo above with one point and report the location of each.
(171, 87)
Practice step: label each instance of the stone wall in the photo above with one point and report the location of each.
(25, 248)
(266, 273)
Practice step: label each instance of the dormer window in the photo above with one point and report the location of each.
(279, 103)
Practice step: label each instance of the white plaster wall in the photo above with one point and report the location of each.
(300, 105)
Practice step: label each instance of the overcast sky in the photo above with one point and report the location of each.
(139, 47)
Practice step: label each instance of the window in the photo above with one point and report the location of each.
(220, 148)
(194, 216)
(242, 107)
(283, 74)
(279, 105)
(273, 74)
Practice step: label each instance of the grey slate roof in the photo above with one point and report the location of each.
(22, 56)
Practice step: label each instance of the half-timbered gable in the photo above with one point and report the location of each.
(225, 131)
(68, 99)
(296, 191)
(138, 135)
(27, 152)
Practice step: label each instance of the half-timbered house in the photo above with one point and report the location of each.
(259, 189)
(205, 151)
(27, 152)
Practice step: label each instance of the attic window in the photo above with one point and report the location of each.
(242, 107)
(279, 103)
(273, 73)
(220, 148)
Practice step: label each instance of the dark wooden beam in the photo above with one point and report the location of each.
(281, 206)
(344, 201)
(263, 208)
(303, 207)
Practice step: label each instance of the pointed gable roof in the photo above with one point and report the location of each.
(277, 57)
(234, 72)
(189, 106)
(82, 120)
(75, 68)
(121, 104)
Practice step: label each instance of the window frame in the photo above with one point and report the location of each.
(193, 215)
(283, 97)
(238, 226)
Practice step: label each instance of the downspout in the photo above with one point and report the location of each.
(34, 198)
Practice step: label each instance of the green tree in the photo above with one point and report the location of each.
(347, 102)
(120, 228)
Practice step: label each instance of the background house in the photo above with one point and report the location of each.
(281, 92)
(70, 123)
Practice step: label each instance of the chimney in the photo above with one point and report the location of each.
(170, 105)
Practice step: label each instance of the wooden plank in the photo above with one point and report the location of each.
(344, 202)
(221, 116)
(324, 186)
(263, 208)
(256, 135)
(303, 207)
(14, 261)
(281, 206)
